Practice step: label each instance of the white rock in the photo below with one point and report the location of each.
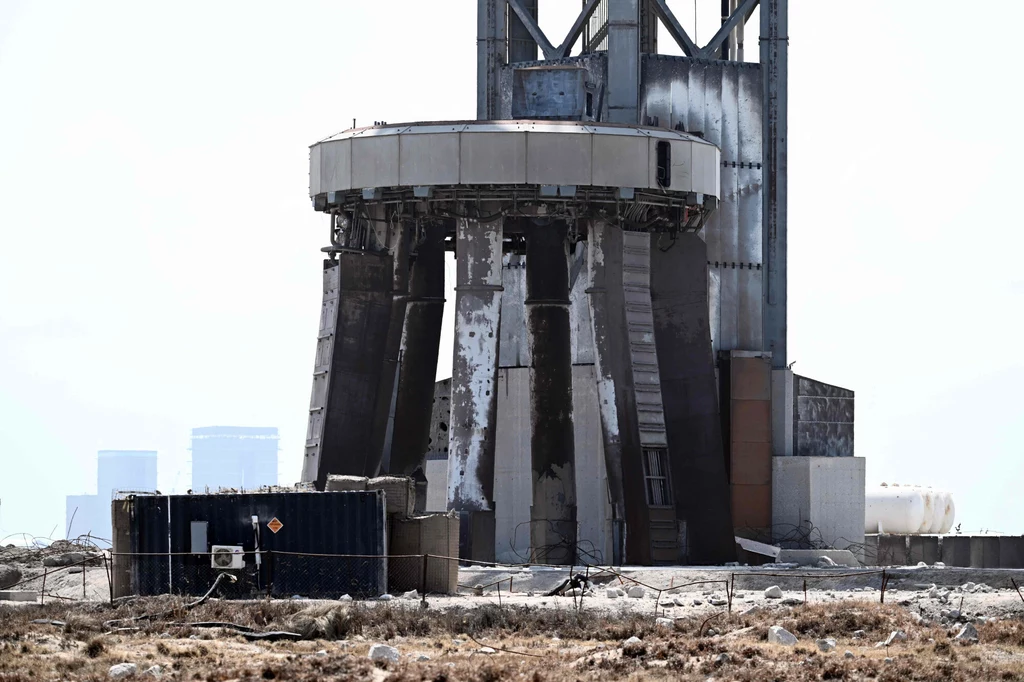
(895, 636)
(612, 593)
(826, 644)
(887, 660)
(717, 600)
(411, 594)
(858, 634)
(344, 597)
(921, 564)
(967, 587)
(751, 611)
(779, 635)
(383, 652)
(712, 632)
(632, 641)
(385, 597)
(665, 623)
(848, 654)
(486, 650)
(939, 564)
(322, 653)
(968, 633)
(722, 658)
(122, 670)
(422, 657)
(773, 592)
(791, 601)
(635, 592)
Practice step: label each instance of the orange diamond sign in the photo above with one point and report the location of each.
(274, 525)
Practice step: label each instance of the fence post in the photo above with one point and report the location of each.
(732, 589)
(108, 567)
(884, 580)
(42, 592)
(423, 583)
(83, 581)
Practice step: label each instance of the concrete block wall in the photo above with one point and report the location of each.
(824, 493)
(963, 551)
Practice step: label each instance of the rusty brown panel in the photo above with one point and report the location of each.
(751, 421)
(751, 507)
(751, 463)
(751, 379)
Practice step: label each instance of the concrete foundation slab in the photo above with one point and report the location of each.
(810, 557)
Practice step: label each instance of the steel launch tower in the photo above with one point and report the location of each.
(632, 207)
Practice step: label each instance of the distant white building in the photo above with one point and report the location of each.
(115, 470)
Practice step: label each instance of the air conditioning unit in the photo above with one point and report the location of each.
(226, 557)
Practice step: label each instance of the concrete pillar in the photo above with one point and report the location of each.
(474, 379)
(354, 323)
(553, 513)
(421, 336)
(395, 235)
(616, 401)
(682, 331)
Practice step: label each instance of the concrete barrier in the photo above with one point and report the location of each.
(924, 548)
(1011, 552)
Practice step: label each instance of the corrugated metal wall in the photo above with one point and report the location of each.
(336, 523)
(722, 102)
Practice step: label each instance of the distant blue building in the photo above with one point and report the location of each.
(116, 470)
(243, 457)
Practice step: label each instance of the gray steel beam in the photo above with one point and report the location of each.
(521, 45)
(552, 449)
(490, 56)
(623, 61)
(674, 28)
(421, 338)
(474, 381)
(774, 70)
(581, 21)
(529, 21)
(742, 14)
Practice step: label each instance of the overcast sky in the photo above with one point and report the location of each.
(160, 264)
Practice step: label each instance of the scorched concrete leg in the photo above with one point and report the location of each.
(474, 380)
(553, 513)
(420, 340)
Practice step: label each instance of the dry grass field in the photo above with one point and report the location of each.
(83, 641)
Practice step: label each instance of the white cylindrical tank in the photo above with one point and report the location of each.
(949, 516)
(938, 511)
(907, 510)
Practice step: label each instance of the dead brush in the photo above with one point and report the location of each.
(326, 621)
(840, 621)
